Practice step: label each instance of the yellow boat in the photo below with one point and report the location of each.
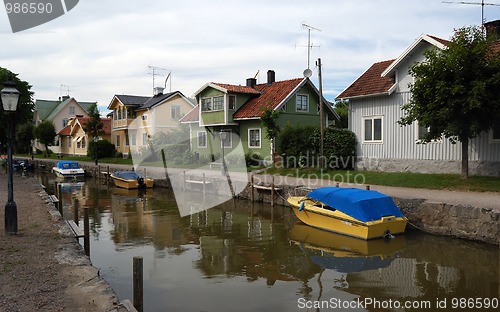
(131, 180)
(353, 212)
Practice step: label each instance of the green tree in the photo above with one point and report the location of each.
(269, 120)
(25, 107)
(456, 93)
(24, 136)
(342, 108)
(94, 126)
(45, 133)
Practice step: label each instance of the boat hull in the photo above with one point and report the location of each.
(69, 173)
(338, 222)
(132, 183)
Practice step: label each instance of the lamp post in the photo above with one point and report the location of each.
(10, 98)
(223, 135)
(96, 138)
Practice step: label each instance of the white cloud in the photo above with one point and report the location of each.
(102, 48)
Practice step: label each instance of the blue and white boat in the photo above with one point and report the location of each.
(68, 169)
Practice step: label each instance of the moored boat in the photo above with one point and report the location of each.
(354, 212)
(68, 169)
(131, 180)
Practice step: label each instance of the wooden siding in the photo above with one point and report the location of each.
(399, 142)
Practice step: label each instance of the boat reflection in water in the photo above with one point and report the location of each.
(344, 254)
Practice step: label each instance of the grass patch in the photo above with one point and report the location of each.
(401, 179)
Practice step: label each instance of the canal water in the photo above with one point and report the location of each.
(241, 256)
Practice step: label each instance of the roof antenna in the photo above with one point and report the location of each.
(153, 69)
(169, 76)
(309, 44)
(482, 4)
(62, 87)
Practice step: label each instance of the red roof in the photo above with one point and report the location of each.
(192, 115)
(370, 82)
(237, 89)
(65, 131)
(271, 95)
(440, 40)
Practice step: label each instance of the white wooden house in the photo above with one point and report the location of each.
(375, 100)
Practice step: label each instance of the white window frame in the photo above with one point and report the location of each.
(296, 103)
(144, 117)
(372, 118)
(417, 133)
(117, 140)
(133, 139)
(127, 140)
(71, 110)
(229, 134)
(229, 97)
(260, 138)
(145, 139)
(204, 133)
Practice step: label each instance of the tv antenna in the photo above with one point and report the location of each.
(63, 87)
(153, 73)
(482, 4)
(309, 44)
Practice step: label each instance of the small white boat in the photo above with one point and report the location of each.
(68, 169)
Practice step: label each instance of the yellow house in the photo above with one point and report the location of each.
(74, 140)
(59, 112)
(137, 118)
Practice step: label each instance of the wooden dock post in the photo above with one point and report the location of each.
(99, 171)
(107, 175)
(138, 284)
(272, 191)
(59, 196)
(251, 188)
(86, 231)
(75, 210)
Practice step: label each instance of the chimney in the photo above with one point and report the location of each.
(271, 76)
(251, 82)
(158, 91)
(65, 97)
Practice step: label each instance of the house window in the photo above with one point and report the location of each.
(206, 104)
(228, 140)
(84, 144)
(232, 102)
(144, 117)
(69, 141)
(78, 143)
(373, 129)
(134, 139)
(65, 122)
(202, 139)
(126, 140)
(72, 110)
(254, 138)
(175, 112)
(421, 132)
(144, 139)
(302, 103)
(218, 103)
(117, 141)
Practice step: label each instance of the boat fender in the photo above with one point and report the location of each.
(302, 206)
(388, 235)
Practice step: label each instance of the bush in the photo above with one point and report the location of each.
(253, 159)
(103, 148)
(300, 147)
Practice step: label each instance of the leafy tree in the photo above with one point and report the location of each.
(93, 127)
(45, 133)
(24, 136)
(25, 106)
(269, 119)
(456, 93)
(342, 108)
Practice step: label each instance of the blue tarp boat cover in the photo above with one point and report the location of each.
(360, 204)
(68, 164)
(127, 175)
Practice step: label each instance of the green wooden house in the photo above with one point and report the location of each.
(229, 115)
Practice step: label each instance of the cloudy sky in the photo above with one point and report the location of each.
(101, 48)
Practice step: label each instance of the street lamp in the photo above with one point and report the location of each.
(10, 98)
(223, 135)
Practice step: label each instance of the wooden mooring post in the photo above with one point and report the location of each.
(251, 188)
(59, 196)
(367, 187)
(75, 210)
(138, 284)
(272, 191)
(86, 231)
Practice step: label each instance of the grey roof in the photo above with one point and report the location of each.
(133, 100)
(157, 99)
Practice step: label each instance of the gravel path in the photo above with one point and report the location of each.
(43, 268)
